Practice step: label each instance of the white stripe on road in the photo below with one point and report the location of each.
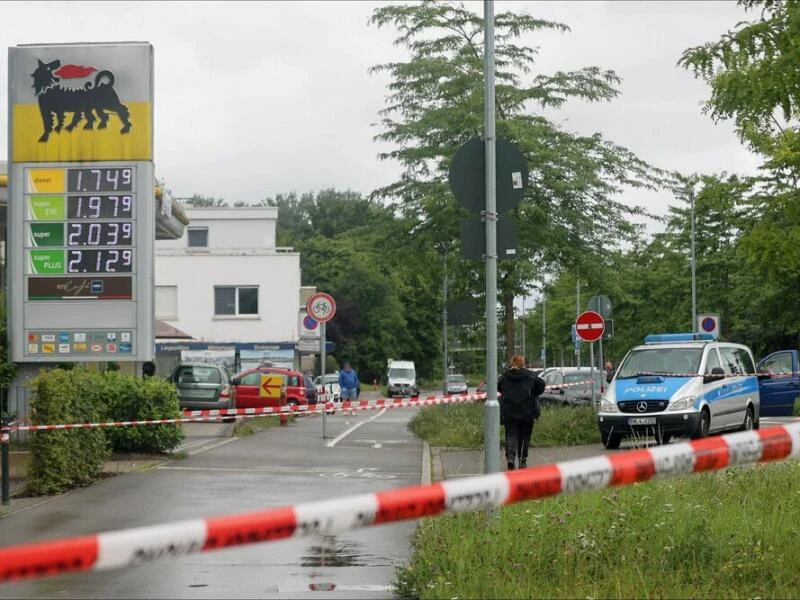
(347, 432)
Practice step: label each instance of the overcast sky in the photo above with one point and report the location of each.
(258, 98)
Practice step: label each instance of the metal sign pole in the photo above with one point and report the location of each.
(491, 433)
(591, 368)
(322, 374)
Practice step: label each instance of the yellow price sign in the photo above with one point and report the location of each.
(271, 385)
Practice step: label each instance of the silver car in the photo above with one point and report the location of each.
(572, 385)
(455, 384)
(203, 386)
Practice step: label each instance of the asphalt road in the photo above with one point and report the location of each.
(364, 453)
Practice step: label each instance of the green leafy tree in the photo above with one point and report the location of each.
(199, 201)
(435, 104)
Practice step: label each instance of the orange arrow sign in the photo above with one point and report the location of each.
(271, 386)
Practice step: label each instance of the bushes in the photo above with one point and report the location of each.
(61, 460)
(133, 399)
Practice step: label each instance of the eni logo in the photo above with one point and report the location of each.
(92, 101)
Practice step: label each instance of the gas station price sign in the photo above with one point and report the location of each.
(81, 210)
(70, 233)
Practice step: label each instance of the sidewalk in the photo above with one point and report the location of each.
(452, 463)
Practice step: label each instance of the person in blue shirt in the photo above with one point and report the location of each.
(348, 382)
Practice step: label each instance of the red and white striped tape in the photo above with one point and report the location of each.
(211, 415)
(131, 547)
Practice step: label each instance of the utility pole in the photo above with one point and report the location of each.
(444, 317)
(694, 265)
(491, 432)
(577, 312)
(523, 329)
(544, 329)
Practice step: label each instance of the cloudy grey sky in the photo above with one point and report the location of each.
(258, 98)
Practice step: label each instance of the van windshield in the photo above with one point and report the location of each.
(661, 361)
(401, 373)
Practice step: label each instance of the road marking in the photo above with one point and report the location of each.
(347, 432)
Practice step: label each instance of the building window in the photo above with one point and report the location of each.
(197, 237)
(167, 302)
(235, 300)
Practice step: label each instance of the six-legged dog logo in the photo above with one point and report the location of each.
(93, 101)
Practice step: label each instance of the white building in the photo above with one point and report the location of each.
(224, 279)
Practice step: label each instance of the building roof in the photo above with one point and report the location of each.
(165, 331)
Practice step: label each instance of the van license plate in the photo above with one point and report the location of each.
(642, 421)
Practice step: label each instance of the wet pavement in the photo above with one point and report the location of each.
(364, 453)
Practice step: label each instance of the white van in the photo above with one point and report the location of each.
(680, 384)
(401, 378)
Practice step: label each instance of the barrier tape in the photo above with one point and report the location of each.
(214, 414)
(132, 547)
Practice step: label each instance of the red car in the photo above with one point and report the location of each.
(248, 388)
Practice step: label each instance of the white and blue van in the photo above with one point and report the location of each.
(680, 384)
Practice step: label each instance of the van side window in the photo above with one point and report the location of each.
(712, 361)
(730, 362)
(745, 360)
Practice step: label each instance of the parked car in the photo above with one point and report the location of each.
(572, 385)
(311, 390)
(455, 384)
(295, 385)
(248, 390)
(681, 384)
(331, 386)
(203, 386)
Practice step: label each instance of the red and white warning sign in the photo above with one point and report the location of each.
(590, 326)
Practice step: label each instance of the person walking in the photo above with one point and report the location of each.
(348, 382)
(519, 391)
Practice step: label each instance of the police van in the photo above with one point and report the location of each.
(680, 384)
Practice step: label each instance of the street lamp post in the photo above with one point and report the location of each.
(694, 265)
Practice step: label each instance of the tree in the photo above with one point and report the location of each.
(435, 104)
(199, 201)
(355, 248)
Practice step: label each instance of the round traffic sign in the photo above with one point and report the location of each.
(321, 307)
(590, 326)
(708, 324)
(310, 323)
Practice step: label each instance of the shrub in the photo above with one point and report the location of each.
(133, 399)
(61, 460)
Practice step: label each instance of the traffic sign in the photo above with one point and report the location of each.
(590, 326)
(600, 304)
(271, 385)
(321, 307)
(708, 323)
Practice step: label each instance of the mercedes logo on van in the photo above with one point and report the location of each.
(641, 406)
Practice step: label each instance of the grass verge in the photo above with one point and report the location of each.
(731, 534)
(461, 425)
(253, 425)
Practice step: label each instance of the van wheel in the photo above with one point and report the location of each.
(704, 426)
(749, 420)
(611, 442)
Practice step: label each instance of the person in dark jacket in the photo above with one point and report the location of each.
(519, 391)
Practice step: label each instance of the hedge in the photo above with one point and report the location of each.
(61, 460)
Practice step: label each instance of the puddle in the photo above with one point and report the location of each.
(333, 552)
